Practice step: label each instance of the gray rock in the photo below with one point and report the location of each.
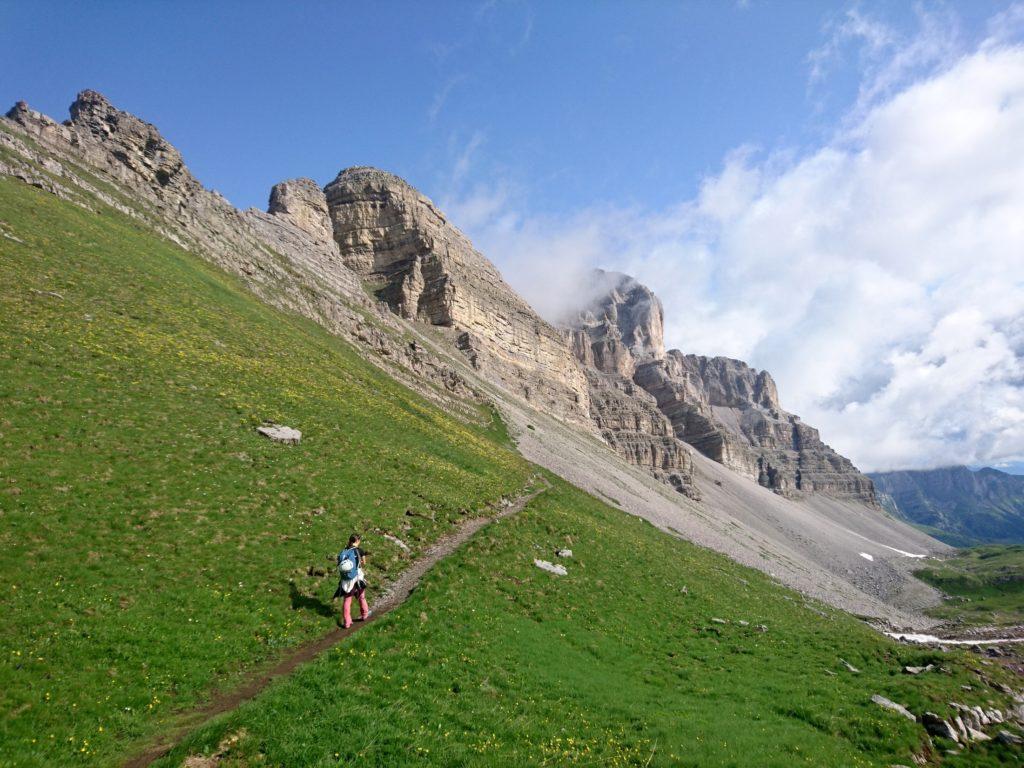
(427, 270)
(889, 704)
(1005, 737)
(718, 621)
(303, 203)
(280, 434)
(555, 568)
(918, 670)
(397, 542)
(563, 553)
(849, 666)
(936, 726)
(722, 407)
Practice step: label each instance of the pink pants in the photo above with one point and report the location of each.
(346, 607)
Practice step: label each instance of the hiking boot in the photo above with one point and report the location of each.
(366, 616)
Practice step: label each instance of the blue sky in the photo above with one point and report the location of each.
(579, 102)
(829, 190)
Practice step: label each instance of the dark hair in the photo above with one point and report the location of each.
(353, 539)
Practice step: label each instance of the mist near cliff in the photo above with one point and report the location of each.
(878, 276)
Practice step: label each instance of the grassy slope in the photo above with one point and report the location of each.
(148, 537)
(147, 533)
(986, 585)
(494, 662)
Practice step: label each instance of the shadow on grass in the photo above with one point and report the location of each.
(301, 602)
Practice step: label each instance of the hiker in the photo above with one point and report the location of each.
(353, 580)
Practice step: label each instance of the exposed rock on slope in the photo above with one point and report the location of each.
(287, 256)
(722, 407)
(630, 422)
(303, 203)
(969, 507)
(426, 269)
(623, 326)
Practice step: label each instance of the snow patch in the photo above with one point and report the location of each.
(912, 637)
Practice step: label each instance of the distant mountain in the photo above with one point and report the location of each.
(957, 505)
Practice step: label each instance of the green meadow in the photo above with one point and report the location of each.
(155, 551)
(149, 537)
(985, 585)
(493, 662)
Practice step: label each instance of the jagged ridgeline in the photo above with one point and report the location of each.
(609, 371)
(722, 407)
(157, 549)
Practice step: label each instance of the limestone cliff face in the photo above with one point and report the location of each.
(303, 203)
(727, 410)
(425, 269)
(622, 326)
(630, 422)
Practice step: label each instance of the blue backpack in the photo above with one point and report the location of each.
(348, 563)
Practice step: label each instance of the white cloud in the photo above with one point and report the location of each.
(879, 277)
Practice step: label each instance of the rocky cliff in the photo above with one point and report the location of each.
(314, 250)
(964, 507)
(425, 269)
(722, 407)
(287, 256)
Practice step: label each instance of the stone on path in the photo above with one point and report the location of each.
(280, 433)
(544, 565)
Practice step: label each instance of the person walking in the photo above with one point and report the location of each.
(353, 580)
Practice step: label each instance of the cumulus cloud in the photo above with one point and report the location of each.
(879, 277)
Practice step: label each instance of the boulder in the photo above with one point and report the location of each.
(918, 670)
(889, 704)
(937, 726)
(558, 570)
(280, 433)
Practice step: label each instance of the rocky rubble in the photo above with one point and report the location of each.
(722, 407)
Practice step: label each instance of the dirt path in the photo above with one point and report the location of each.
(394, 595)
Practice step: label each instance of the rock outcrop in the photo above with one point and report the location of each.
(629, 421)
(622, 327)
(725, 409)
(105, 156)
(303, 203)
(425, 269)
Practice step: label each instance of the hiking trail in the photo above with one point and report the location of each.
(391, 596)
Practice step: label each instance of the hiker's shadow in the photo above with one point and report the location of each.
(301, 602)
